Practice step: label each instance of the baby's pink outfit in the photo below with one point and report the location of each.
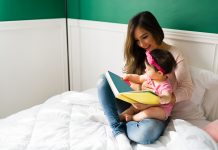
(163, 87)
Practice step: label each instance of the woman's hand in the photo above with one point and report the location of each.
(140, 106)
(167, 98)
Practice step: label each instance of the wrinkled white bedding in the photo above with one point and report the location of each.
(75, 121)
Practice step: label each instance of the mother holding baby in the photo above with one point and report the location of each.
(144, 34)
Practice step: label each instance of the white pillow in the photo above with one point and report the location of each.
(198, 87)
(205, 94)
(189, 137)
(210, 102)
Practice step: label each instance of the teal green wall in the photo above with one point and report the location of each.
(11, 10)
(73, 9)
(194, 15)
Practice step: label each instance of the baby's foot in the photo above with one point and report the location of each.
(122, 118)
(128, 118)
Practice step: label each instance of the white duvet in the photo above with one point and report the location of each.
(75, 121)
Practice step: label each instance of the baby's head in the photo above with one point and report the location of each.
(160, 60)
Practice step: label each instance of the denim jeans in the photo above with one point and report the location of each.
(146, 131)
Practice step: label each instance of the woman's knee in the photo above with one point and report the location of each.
(104, 91)
(146, 131)
(102, 81)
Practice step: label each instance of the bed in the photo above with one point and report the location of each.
(75, 121)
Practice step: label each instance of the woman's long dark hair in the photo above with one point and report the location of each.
(133, 54)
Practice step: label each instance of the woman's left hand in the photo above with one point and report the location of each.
(140, 106)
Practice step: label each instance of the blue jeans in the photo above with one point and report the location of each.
(146, 131)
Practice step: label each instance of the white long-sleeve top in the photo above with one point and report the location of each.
(180, 79)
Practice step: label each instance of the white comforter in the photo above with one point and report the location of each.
(75, 121)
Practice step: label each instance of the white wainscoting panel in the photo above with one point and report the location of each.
(94, 50)
(200, 49)
(215, 65)
(33, 63)
(99, 47)
(74, 54)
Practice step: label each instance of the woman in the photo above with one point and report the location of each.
(144, 34)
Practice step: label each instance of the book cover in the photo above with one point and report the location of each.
(124, 92)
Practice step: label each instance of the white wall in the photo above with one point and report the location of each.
(93, 50)
(33, 57)
(33, 63)
(98, 46)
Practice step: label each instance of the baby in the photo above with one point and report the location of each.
(159, 63)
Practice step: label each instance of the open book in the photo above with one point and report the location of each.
(123, 91)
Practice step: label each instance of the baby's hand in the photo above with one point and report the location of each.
(128, 117)
(125, 76)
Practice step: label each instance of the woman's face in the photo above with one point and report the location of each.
(145, 39)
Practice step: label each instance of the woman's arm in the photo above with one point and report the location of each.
(183, 78)
(140, 106)
(171, 99)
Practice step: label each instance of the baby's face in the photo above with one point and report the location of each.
(150, 71)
